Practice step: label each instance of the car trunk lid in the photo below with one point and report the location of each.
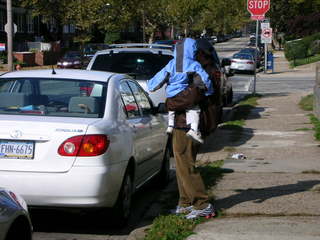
(31, 146)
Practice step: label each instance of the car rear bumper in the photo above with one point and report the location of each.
(81, 187)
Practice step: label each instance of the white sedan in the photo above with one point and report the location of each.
(15, 221)
(80, 139)
(242, 62)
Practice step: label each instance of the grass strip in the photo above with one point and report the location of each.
(303, 61)
(306, 103)
(173, 227)
(316, 122)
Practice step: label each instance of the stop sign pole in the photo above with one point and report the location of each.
(258, 9)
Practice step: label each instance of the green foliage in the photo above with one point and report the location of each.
(283, 12)
(306, 102)
(154, 15)
(315, 47)
(300, 49)
(3, 57)
(171, 227)
(308, 60)
(294, 50)
(112, 37)
(211, 173)
(316, 122)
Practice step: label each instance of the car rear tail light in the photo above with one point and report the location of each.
(84, 146)
(250, 62)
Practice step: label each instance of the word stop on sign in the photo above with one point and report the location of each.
(254, 4)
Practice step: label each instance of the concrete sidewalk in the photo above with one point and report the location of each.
(275, 192)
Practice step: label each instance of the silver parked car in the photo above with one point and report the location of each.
(141, 61)
(242, 62)
(79, 139)
(15, 223)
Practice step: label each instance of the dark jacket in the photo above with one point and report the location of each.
(210, 107)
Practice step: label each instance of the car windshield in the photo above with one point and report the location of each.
(72, 55)
(242, 56)
(52, 97)
(140, 65)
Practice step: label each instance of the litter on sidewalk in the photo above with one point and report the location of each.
(238, 156)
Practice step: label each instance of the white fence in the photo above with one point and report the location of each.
(40, 46)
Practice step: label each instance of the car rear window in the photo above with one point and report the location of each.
(140, 65)
(242, 56)
(52, 97)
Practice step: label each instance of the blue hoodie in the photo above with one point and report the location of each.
(175, 73)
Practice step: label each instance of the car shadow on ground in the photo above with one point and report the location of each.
(147, 203)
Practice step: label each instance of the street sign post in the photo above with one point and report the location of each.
(258, 9)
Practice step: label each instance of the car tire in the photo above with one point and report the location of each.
(122, 209)
(20, 230)
(163, 177)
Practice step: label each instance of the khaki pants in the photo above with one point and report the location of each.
(191, 188)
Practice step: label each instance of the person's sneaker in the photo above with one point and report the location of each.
(169, 130)
(182, 210)
(207, 212)
(196, 136)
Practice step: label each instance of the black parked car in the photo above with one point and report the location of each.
(73, 59)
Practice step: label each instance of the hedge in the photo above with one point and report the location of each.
(302, 48)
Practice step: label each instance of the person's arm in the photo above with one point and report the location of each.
(160, 78)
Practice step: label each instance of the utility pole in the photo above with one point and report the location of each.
(9, 30)
(256, 56)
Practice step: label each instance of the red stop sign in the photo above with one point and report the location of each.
(258, 7)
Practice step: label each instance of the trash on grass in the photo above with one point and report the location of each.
(239, 156)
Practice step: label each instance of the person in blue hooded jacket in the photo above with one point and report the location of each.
(176, 74)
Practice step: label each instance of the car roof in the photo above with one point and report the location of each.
(62, 74)
(138, 47)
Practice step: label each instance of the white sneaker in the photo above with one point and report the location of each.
(196, 136)
(169, 130)
(182, 210)
(207, 212)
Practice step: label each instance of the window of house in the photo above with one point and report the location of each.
(30, 24)
(19, 21)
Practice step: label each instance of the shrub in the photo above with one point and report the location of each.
(296, 49)
(302, 48)
(315, 47)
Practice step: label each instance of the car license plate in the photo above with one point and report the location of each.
(16, 149)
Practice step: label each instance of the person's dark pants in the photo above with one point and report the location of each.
(191, 187)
